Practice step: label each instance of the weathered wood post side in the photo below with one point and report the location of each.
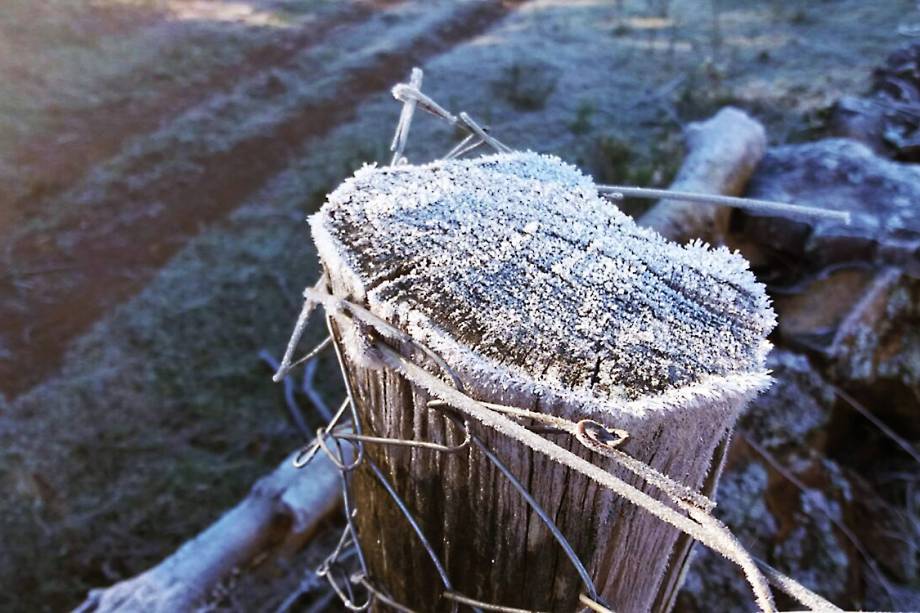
(538, 294)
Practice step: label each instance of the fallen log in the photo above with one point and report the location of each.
(722, 152)
(282, 512)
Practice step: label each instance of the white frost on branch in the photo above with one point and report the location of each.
(516, 271)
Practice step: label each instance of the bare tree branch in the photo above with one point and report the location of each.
(282, 511)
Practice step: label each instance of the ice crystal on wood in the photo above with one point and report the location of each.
(515, 260)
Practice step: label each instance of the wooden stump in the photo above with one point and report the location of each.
(539, 294)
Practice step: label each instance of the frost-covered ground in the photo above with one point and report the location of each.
(149, 260)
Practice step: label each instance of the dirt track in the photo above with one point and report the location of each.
(104, 234)
(102, 131)
(161, 245)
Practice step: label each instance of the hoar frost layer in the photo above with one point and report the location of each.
(514, 264)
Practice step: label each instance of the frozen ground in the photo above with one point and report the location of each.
(161, 158)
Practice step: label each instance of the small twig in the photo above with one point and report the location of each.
(878, 423)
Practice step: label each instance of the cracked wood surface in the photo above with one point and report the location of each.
(542, 295)
(516, 259)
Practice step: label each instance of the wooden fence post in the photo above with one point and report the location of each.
(537, 294)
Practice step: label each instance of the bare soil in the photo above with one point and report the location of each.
(134, 228)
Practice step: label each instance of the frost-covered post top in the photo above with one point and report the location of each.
(519, 274)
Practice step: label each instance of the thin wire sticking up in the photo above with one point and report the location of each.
(299, 328)
(405, 92)
(312, 353)
(405, 120)
(470, 142)
(467, 122)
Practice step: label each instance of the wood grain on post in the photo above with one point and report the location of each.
(722, 153)
(538, 294)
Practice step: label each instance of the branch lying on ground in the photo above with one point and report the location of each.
(282, 512)
(722, 153)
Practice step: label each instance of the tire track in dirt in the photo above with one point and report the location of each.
(99, 133)
(112, 265)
